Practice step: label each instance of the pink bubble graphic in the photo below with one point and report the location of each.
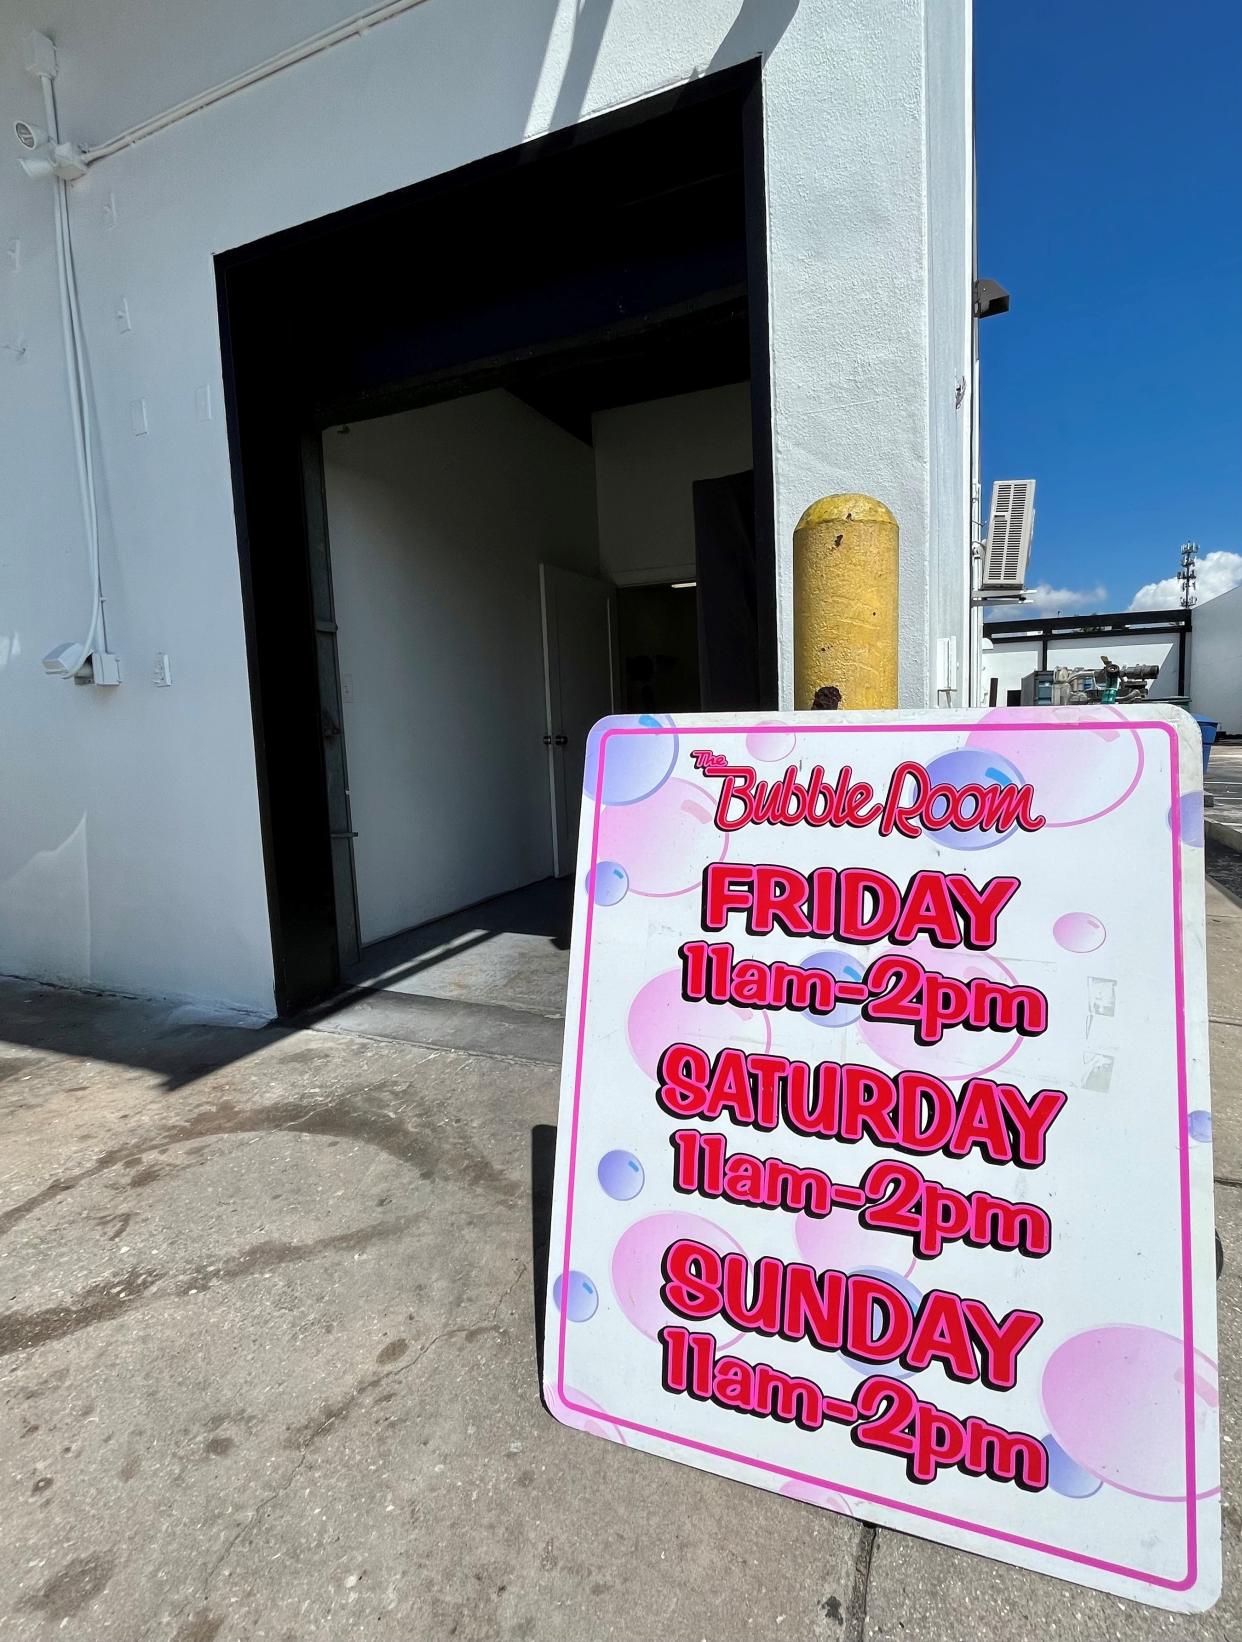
(1115, 1400)
(665, 842)
(959, 1053)
(839, 1243)
(771, 743)
(1079, 932)
(634, 765)
(1077, 776)
(660, 1015)
(637, 1265)
(595, 1422)
(811, 1493)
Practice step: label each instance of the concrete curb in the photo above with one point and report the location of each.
(1222, 832)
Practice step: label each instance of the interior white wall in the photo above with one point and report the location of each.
(438, 520)
(1217, 680)
(130, 843)
(647, 457)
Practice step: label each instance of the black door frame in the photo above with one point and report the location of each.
(274, 420)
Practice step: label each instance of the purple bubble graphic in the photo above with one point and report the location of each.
(585, 1414)
(904, 1287)
(621, 1175)
(970, 766)
(839, 1243)
(959, 1053)
(634, 765)
(1190, 815)
(637, 1271)
(666, 841)
(811, 1493)
(1079, 932)
(1078, 776)
(1115, 1399)
(771, 743)
(1199, 1124)
(660, 1016)
(608, 884)
(1066, 1476)
(582, 1299)
(842, 966)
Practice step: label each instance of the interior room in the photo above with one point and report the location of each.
(506, 567)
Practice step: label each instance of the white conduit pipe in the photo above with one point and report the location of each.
(79, 396)
(347, 30)
(70, 314)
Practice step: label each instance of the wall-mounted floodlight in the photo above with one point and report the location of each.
(991, 298)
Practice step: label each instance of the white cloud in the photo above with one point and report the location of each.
(1217, 573)
(1044, 600)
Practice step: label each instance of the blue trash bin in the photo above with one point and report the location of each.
(1208, 727)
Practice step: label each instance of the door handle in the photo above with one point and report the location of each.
(561, 740)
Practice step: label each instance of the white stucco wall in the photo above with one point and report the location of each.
(1216, 685)
(130, 849)
(647, 458)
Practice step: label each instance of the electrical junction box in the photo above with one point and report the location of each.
(39, 55)
(105, 668)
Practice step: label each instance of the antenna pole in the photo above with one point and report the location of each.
(1186, 575)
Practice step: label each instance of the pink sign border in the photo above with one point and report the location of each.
(908, 728)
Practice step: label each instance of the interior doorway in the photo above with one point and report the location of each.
(579, 673)
(658, 644)
(450, 497)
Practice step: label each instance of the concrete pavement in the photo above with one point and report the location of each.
(268, 1365)
(1223, 784)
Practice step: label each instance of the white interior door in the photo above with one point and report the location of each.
(579, 648)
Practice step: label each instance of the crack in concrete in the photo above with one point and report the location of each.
(473, 1051)
(111, 1297)
(855, 1626)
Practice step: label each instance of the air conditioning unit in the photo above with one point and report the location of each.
(1011, 524)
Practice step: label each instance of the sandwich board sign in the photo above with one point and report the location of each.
(883, 1173)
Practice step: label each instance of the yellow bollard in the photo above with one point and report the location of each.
(845, 604)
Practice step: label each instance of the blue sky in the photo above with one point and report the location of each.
(1110, 204)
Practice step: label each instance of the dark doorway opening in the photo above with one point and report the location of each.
(659, 648)
(616, 262)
